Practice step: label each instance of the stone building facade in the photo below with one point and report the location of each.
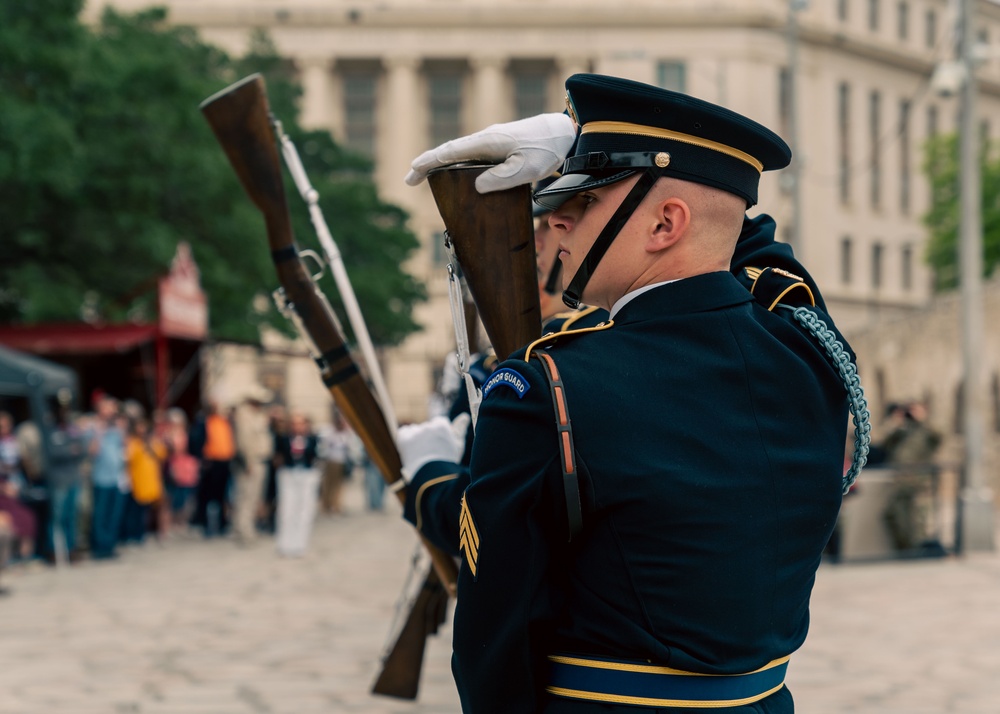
(395, 77)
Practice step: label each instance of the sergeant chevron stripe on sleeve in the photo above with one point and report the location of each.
(468, 537)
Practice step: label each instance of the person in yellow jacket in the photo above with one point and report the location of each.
(144, 457)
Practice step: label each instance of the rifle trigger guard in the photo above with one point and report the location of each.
(309, 253)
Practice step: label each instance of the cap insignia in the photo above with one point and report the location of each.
(572, 110)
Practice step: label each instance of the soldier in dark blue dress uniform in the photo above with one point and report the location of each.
(649, 498)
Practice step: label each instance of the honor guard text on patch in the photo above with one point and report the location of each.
(507, 377)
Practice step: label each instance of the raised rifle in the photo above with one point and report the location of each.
(492, 236)
(494, 240)
(241, 120)
(338, 271)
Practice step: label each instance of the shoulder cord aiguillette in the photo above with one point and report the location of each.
(849, 374)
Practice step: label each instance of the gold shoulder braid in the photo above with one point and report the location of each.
(552, 337)
(576, 315)
(774, 286)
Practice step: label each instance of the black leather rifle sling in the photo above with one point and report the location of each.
(567, 451)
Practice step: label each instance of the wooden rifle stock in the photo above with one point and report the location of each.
(494, 241)
(240, 118)
(400, 676)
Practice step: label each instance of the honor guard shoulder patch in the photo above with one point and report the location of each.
(468, 538)
(507, 377)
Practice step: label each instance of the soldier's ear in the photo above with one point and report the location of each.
(669, 222)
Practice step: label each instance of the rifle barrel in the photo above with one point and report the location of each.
(241, 119)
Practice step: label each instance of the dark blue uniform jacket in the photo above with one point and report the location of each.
(710, 437)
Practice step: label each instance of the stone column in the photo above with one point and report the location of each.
(489, 103)
(317, 95)
(403, 135)
(402, 129)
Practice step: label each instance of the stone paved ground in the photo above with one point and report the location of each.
(196, 627)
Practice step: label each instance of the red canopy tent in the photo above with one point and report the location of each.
(155, 363)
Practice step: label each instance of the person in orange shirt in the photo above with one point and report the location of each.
(214, 436)
(144, 456)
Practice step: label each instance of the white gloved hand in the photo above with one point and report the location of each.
(438, 439)
(530, 149)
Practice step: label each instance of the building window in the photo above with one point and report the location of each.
(670, 74)
(983, 36)
(445, 85)
(873, 15)
(784, 100)
(875, 164)
(844, 141)
(907, 267)
(881, 391)
(842, 10)
(932, 133)
(878, 252)
(531, 89)
(359, 91)
(959, 424)
(846, 260)
(903, 19)
(930, 29)
(904, 156)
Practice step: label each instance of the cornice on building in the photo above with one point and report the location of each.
(549, 14)
(894, 56)
(815, 32)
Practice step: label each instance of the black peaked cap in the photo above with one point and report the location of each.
(626, 126)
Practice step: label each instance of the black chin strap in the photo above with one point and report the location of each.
(573, 294)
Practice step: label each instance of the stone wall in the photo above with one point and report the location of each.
(919, 357)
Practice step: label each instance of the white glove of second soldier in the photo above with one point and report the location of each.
(530, 149)
(438, 439)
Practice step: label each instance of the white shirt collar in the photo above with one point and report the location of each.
(629, 297)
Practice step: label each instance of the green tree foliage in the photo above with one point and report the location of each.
(941, 166)
(106, 163)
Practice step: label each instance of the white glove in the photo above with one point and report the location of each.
(435, 440)
(530, 149)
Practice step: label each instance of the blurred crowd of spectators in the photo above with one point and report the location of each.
(119, 475)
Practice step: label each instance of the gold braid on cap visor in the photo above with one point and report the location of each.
(621, 127)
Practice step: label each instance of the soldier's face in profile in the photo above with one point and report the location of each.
(576, 225)
(546, 247)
